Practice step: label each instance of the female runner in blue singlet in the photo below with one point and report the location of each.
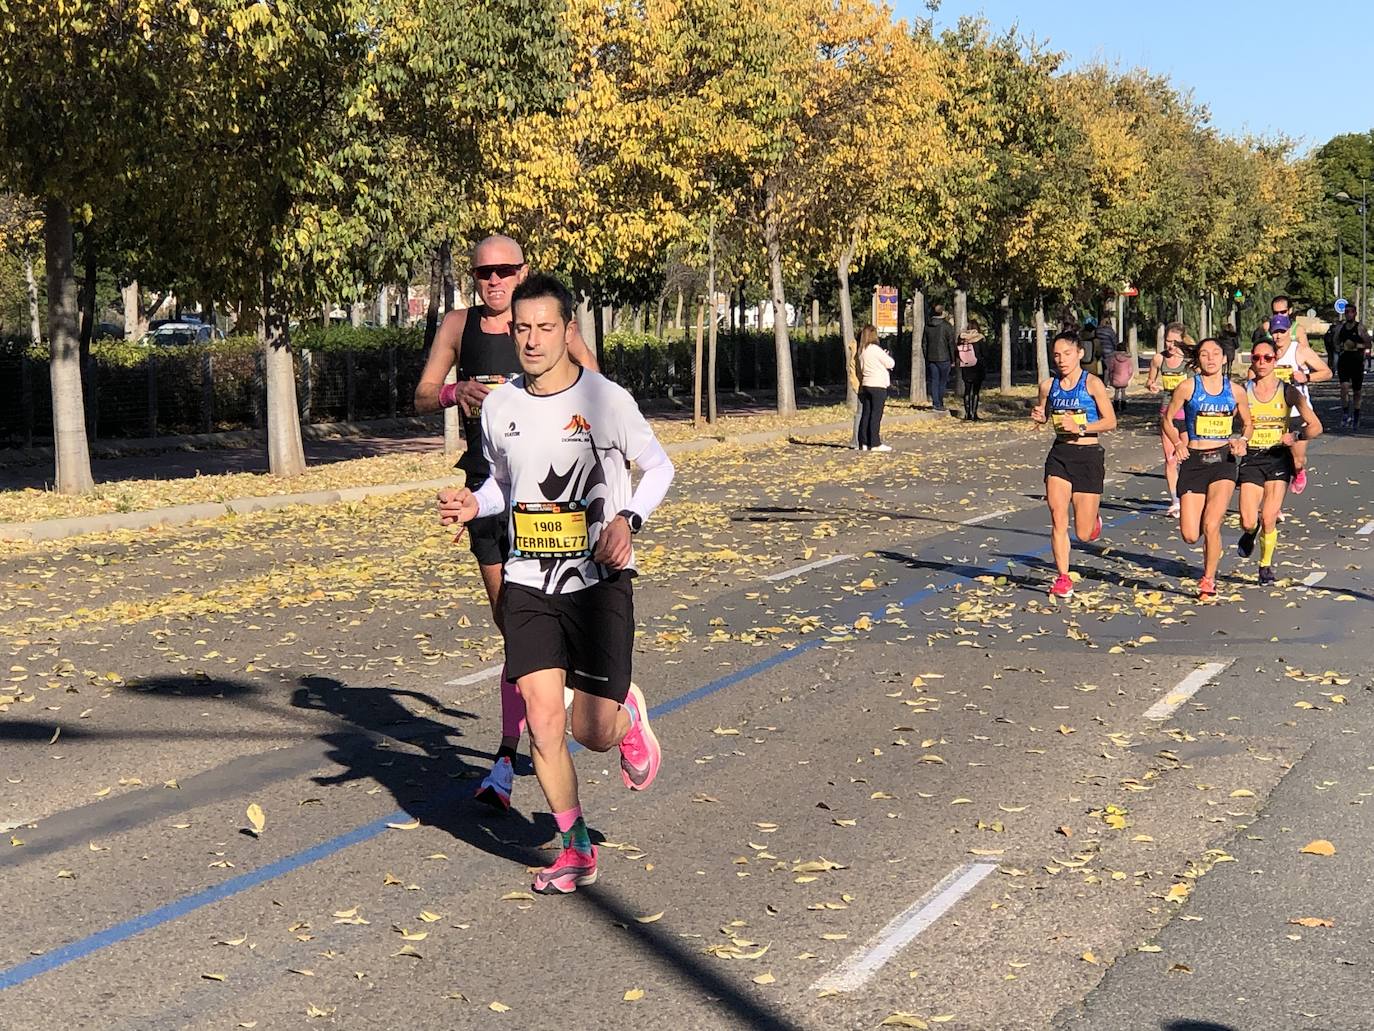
(1207, 450)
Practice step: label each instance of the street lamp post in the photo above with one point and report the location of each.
(1363, 204)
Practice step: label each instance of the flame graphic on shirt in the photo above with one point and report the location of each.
(577, 424)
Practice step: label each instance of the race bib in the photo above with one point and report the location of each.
(1171, 382)
(1285, 373)
(1266, 436)
(1067, 419)
(550, 529)
(1214, 426)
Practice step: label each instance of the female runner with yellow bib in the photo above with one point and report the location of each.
(1267, 468)
(1207, 453)
(1168, 369)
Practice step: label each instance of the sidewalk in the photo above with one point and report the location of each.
(176, 515)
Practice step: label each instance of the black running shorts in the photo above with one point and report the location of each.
(1260, 467)
(1083, 465)
(590, 634)
(1350, 368)
(1203, 468)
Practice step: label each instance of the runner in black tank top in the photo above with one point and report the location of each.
(487, 358)
(484, 357)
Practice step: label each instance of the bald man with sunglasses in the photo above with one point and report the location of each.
(479, 344)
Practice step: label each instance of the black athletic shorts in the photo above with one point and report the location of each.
(1275, 463)
(1350, 368)
(590, 634)
(1083, 465)
(1203, 468)
(489, 537)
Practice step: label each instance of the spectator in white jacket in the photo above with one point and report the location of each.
(874, 366)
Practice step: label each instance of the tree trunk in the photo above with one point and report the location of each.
(446, 274)
(696, 366)
(35, 320)
(432, 308)
(285, 452)
(1005, 335)
(677, 319)
(711, 411)
(73, 457)
(87, 298)
(658, 320)
(453, 430)
(918, 358)
(960, 324)
(851, 379)
(133, 309)
(586, 318)
(772, 230)
(1042, 357)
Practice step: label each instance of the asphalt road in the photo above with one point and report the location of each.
(903, 785)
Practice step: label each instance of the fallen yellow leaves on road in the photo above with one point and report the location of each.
(1320, 847)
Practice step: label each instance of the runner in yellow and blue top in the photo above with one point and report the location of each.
(1267, 468)
(1300, 365)
(1080, 407)
(1207, 450)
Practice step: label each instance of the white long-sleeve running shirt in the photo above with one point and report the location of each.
(560, 471)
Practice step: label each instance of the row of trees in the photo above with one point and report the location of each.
(278, 157)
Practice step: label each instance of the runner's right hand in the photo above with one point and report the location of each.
(470, 395)
(457, 506)
(1181, 451)
(1038, 414)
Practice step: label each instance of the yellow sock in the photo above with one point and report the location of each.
(1268, 542)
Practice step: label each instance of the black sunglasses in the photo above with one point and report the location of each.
(504, 271)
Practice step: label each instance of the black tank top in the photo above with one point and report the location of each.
(488, 358)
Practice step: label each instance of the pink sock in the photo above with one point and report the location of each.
(512, 709)
(567, 818)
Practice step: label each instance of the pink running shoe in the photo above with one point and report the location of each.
(640, 754)
(1097, 530)
(1299, 482)
(1206, 588)
(1063, 587)
(570, 871)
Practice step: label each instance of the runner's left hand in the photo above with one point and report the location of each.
(1239, 446)
(615, 545)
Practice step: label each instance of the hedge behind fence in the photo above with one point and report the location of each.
(345, 374)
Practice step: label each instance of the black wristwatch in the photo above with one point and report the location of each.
(635, 520)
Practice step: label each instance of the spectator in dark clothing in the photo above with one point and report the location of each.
(938, 344)
(1230, 345)
(972, 352)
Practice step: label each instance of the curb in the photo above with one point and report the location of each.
(180, 515)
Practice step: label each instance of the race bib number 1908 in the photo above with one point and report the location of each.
(550, 529)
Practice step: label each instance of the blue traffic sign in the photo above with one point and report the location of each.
(1341, 305)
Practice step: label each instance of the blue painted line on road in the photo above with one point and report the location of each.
(29, 969)
(32, 968)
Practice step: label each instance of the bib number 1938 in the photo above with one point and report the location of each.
(550, 529)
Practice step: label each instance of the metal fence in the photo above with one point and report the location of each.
(168, 392)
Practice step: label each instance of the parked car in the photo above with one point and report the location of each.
(182, 332)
